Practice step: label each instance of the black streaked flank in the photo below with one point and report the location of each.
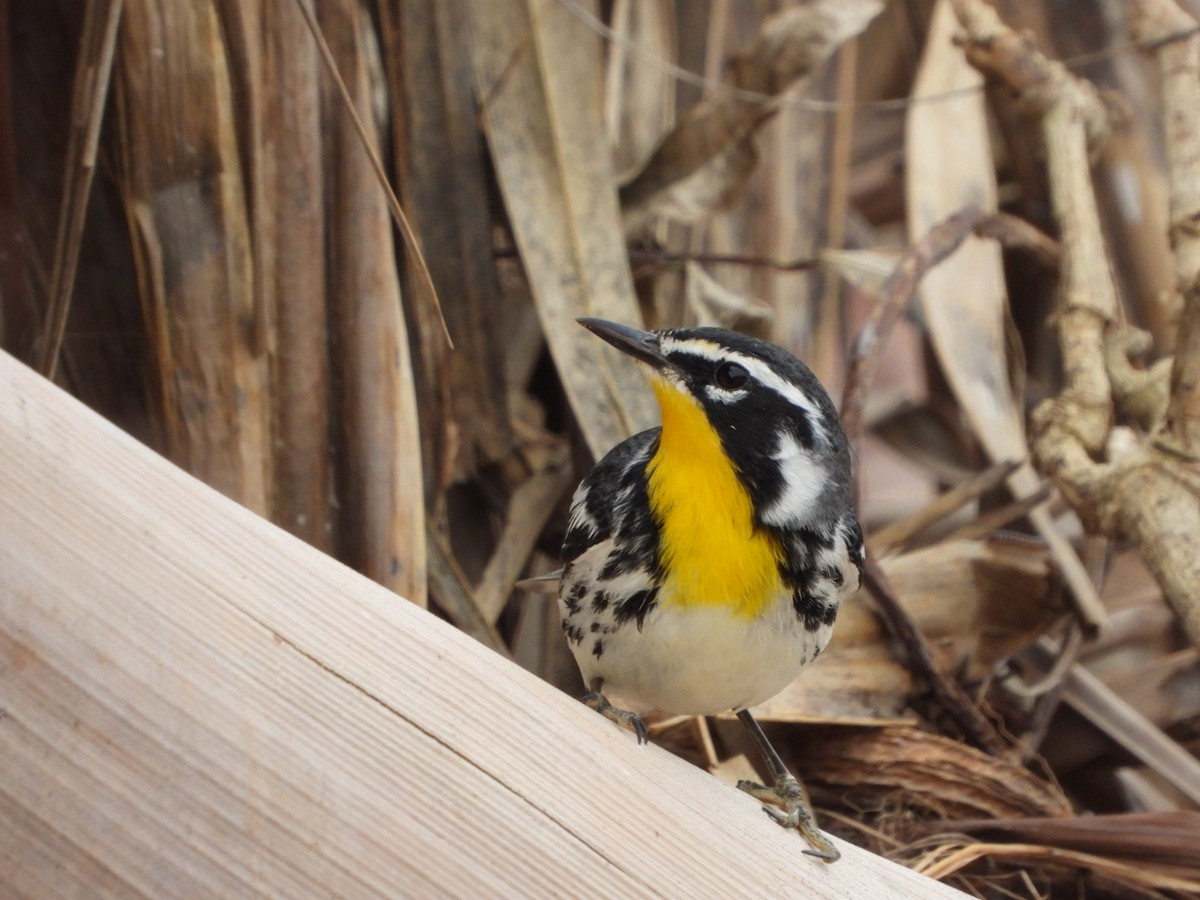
(636, 606)
(833, 574)
(574, 598)
(624, 558)
(577, 539)
(809, 608)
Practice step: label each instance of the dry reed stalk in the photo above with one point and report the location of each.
(291, 241)
(537, 77)
(92, 73)
(441, 165)
(383, 511)
(185, 202)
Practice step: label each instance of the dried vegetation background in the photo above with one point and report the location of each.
(980, 224)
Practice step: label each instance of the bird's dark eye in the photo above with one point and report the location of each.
(730, 376)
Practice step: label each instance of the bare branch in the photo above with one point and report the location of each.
(1179, 69)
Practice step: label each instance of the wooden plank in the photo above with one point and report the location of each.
(195, 703)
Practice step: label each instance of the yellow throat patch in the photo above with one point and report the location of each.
(712, 553)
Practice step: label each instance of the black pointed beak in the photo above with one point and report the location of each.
(641, 345)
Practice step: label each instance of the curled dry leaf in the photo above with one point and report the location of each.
(714, 304)
(865, 269)
(705, 159)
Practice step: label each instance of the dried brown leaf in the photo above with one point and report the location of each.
(1171, 837)
(711, 303)
(538, 81)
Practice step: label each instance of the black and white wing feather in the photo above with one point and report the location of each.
(611, 549)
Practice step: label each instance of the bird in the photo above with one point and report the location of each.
(704, 560)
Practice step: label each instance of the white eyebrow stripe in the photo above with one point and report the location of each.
(695, 346)
(760, 371)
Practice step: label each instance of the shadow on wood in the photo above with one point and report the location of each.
(193, 703)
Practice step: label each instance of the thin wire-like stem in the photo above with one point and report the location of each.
(406, 229)
(93, 75)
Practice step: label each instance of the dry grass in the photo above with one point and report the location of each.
(962, 236)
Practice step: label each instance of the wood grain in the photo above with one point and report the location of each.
(194, 703)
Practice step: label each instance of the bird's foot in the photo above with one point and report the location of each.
(622, 717)
(787, 804)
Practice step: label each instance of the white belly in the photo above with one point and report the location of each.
(703, 660)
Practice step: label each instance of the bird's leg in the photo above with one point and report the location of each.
(789, 802)
(622, 717)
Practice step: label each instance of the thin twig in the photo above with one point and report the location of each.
(985, 524)
(900, 625)
(655, 256)
(894, 298)
(401, 220)
(665, 257)
(1015, 233)
(900, 532)
(93, 75)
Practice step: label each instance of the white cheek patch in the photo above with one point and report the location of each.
(803, 481)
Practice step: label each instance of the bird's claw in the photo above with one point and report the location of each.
(787, 805)
(623, 717)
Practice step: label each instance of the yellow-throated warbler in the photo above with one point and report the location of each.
(704, 560)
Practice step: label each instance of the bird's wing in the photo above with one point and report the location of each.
(611, 502)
